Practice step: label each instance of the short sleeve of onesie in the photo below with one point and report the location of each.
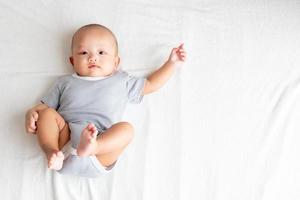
(135, 86)
(52, 98)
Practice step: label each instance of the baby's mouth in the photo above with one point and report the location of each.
(93, 66)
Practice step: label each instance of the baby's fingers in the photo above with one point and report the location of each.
(182, 54)
(180, 46)
(31, 123)
(30, 130)
(35, 116)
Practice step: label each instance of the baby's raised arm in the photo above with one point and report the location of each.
(32, 116)
(159, 77)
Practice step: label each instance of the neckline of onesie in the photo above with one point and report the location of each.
(90, 78)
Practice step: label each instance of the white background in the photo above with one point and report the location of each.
(225, 127)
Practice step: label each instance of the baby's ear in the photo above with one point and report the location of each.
(71, 60)
(117, 61)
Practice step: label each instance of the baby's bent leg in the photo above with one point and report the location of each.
(109, 145)
(53, 133)
(113, 142)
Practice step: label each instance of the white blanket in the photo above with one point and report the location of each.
(225, 127)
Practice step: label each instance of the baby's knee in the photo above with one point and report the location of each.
(48, 112)
(128, 129)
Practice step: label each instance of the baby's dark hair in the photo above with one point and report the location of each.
(96, 26)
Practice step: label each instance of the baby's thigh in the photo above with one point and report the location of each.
(64, 136)
(51, 121)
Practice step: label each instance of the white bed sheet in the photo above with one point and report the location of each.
(225, 127)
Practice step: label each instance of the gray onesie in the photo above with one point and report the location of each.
(102, 102)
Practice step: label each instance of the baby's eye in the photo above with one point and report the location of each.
(83, 52)
(101, 52)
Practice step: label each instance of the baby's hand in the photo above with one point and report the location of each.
(178, 55)
(31, 117)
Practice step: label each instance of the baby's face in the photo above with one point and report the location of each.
(94, 53)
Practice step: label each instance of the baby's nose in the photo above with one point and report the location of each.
(92, 59)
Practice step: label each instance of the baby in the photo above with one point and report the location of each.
(86, 107)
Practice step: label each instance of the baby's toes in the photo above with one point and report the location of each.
(91, 126)
(60, 154)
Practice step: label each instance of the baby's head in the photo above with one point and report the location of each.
(94, 51)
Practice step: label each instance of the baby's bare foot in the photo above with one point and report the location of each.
(88, 143)
(55, 160)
